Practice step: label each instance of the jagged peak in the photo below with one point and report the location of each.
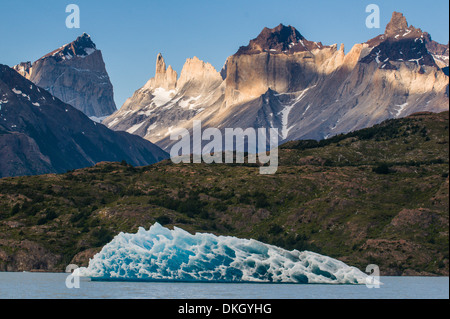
(85, 35)
(281, 39)
(165, 77)
(81, 47)
(23, 68)
(84, 40)
(195, 60)
(282, 34)
(397, 23)
(160, 64)
(398, 27)
(196, 69)
(397, 30)
(401, 43)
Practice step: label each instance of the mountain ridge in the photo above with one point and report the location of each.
(41, 134)
(81, 47)
(281, 39)
(317, 91)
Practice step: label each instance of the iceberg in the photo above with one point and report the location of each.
(161, 254)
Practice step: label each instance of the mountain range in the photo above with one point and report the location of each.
(363, 170)
(303, 88)
(40, 134)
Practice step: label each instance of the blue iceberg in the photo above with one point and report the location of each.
(161, 254)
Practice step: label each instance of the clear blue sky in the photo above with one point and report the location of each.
(131, 33)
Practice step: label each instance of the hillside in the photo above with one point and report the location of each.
(374, 196)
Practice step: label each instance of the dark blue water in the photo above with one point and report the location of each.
(53, 286)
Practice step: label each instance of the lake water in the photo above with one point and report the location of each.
(53, 286)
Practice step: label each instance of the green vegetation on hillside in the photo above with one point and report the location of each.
(378, 195)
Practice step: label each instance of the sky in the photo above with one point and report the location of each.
(131, 33)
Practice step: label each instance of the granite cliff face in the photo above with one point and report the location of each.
(280, 59)
(76, 74)
(305, 89)
(166, 102)
(40, 134)
(165, 78)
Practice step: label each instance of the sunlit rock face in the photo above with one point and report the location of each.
(166, 102)
(76, 74)
(301, 87)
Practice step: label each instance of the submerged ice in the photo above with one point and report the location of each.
(160, 254)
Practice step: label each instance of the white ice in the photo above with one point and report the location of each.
(160, 254)
(285, 113)
(135, 127)
(162, 96)
(401, 108)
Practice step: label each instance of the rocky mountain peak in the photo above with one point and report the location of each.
(165, 77)
(306, 90)
(76, 74)
(403, 43)
(84, 42)
(399, 29)
(24, 69)
(397, 24)
(160, 64)
(281, 39)
(279, 36)
(81, 47)
(201, 73)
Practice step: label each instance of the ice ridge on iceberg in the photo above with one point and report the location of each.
(160, 254)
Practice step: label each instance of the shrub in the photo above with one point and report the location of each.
(244, 199)
(50, 215)
(190, 207)
(382, 169)
(101, 237)
(261, 200)
(275, 229)
(15, 209)
(163, 220)
(220, 206)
